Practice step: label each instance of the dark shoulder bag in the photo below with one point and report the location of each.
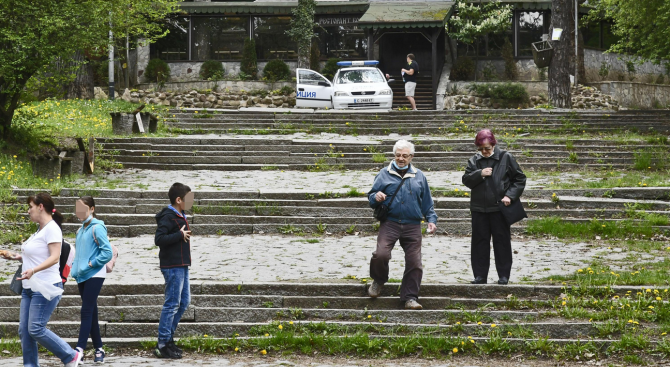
(382, 211)
(16, 286)
(515, 211)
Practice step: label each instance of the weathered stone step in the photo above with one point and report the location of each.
(617, 195)
(453, 290)
(70, 329)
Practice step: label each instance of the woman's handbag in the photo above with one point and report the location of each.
(515, 211)
(16, 285)
(382, 211)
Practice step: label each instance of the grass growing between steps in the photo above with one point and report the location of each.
(424, 346)
(609, 179)
(10, 347)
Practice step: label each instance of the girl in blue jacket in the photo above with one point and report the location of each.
(88, 269)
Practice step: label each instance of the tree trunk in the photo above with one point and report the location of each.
(581, 70)
(8, 103)
(82, 85)
(560, 68)
(303, 55)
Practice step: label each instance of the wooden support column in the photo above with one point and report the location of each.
(435, 78)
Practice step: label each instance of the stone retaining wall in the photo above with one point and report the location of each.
(234, 86)
(208, 100)
(189, 71)
(637, 95)
(533, 88)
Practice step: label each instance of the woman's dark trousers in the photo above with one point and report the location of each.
(485, 226)
(89, 291)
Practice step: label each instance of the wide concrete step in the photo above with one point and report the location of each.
(376, 326)
(284, 289)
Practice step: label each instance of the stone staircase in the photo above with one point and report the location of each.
(419, 122)
(129, 313)
(130, 213)
(423, 95)
(433, 154)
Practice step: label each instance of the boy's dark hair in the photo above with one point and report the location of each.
(411, 57)
(178, 190)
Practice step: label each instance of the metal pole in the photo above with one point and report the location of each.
(111, 60)
(127, 68)
(576, 41)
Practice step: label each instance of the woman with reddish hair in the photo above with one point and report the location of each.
(494, 176)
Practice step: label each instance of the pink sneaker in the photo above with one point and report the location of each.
(75, 361)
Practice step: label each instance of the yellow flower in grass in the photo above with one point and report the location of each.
(479, 323)
(237, 349)
(493, 325)
(266, 334)
(290, 322)
(264, 352)
(455, 350)
(658, 298)
(280, 327)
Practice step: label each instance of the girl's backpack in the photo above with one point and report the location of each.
(66, 258)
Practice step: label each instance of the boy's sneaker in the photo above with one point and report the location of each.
(174, 347)
(166, 352)
(99, 356)
(77, 359)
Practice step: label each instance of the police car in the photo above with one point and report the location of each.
(358, 84)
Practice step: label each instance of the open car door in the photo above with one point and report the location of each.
(313, 90)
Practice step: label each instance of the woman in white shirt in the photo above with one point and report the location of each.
(40, 255)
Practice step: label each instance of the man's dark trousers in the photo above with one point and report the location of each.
(410, 238)
(485, 225)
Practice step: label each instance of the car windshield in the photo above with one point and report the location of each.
(359, 76)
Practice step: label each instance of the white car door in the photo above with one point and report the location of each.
(313, 90)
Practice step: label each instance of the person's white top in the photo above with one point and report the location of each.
(36, 250)
(102, 273)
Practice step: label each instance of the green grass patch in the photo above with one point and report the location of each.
(557, 227)
(612, 179)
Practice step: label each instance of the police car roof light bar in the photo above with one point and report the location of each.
(358, 63)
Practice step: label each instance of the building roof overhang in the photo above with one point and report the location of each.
(400, 14)
(271, 7)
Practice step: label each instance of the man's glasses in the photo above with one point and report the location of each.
(488, 149)
(403, 155)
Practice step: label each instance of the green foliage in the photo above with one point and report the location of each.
(642, 27)
(511, 92)
(331, 68)
(302, 28)
(472, 21)
(157, 71)
(604, 70)
(249, 64)
(276, 70)
(34, 34)
(315, 57)
(489, 72)
(463, 69)
(212, 70)
(511, 70)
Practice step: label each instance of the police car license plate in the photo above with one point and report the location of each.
(363, 100)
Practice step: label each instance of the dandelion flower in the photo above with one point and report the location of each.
(455, 350)
(280, 327)
(264, 352)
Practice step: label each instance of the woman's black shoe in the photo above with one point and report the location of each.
(503, 281)
(479, 280)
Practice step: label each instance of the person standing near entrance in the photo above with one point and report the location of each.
(404, 189)
(409, 76)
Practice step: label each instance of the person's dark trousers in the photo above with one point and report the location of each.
(89, 291)
(177, 299)
(410, 238)
(485, 226)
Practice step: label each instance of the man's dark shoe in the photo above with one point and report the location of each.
(479, 280)
(174, 347)
(503, 281)
(166, 352)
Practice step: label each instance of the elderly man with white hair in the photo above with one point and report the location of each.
(410, 206)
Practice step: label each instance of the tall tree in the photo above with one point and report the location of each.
(643, 27)
(35, 33)
(560, 68)
(302, 29)
(472, 21)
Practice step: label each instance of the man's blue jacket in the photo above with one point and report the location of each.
(413, 202)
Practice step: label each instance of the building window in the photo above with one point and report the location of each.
(272, 42)
(531, 28)
(218, 38)
(340, 37)
(174, 46)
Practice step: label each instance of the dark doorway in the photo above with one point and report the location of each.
(394, 47)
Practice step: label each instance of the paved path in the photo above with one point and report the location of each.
(268, 258)
(144, 360)
(280, 181)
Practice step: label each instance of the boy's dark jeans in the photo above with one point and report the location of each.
(177, 299)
